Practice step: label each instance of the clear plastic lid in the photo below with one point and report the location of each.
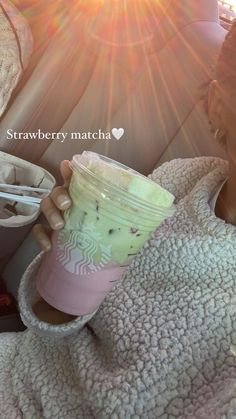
(121, 181)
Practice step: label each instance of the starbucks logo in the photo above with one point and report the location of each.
(80, 251)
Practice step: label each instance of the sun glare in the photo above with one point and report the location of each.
(229, 3)
(227, 9)
(113, 48)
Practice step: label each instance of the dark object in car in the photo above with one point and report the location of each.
(10, 320)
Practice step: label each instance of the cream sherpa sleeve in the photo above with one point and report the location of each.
(178, 176)
(26, 298)
(16, 46)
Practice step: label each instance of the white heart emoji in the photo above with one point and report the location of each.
(118, 133)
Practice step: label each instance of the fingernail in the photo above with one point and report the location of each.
(63, 201)
(56, 221)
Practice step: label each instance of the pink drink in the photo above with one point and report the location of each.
(114, 210)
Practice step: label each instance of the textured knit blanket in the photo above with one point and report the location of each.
(16, 45)
(162, 344)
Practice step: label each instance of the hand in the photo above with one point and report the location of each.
(51, 206)
(59, 200)
(49, 314)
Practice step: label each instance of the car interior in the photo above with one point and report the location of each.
(78, 80)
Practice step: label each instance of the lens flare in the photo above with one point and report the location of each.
(113, 49)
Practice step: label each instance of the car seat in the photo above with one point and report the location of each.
(161, 114)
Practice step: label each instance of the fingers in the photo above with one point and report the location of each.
(66, 172)
(50, 207)
(52, 214)
(42, 236)
(60, 198)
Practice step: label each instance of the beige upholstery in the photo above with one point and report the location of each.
(193, 139)
(69, 90)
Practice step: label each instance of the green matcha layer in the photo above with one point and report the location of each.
(105, 225)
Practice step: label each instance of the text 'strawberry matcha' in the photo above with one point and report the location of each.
(114, 210)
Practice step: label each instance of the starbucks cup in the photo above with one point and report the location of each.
(114, 210)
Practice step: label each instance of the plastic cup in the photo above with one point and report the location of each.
(114, 210)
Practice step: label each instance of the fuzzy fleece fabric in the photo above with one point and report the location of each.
(16, 47)
(163, 342)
